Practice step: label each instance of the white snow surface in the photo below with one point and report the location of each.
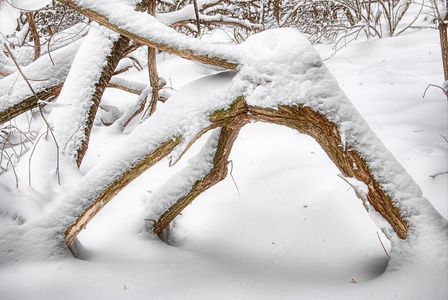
(29, 4)
(294, 230)
(8, 17)
(10, 11)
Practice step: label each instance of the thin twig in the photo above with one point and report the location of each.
(356, 192)
(384, 248)
(233, 179)
(435, 175)
(31, 156)
(49, 129)
(437, 86)
(20, 70)
(196, 12)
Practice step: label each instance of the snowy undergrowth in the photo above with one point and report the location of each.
(287, 226)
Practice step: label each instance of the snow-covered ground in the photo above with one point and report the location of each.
(283, 225)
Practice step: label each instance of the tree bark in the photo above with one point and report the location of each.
(217, 173)
(34, 33)
(108, 193)
(119, 47)
(347, 159)
(29, 103)
(210, 59)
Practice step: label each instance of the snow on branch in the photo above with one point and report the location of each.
(85, 84)
(46, 76)
(207, 16)
(282, 80)
(145, 29)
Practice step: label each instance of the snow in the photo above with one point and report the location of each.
(10, 11)
(122, 15)
(74, 101)
(180, 183)
(8, 17)
(45, 72)
(29, 4)
(284, 225)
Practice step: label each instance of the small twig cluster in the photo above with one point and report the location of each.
(14, 142)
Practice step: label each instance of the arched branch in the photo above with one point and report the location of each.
(344, 156)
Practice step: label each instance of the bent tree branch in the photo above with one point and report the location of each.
(300, 118)
(30, 102)
(15, 96)
(108, 193)
(296, 116)
(106, 19)
(227, 137)
(304, 120)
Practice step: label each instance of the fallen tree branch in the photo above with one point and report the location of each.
(16, 98)
(126, 85)
(111, 190)
(218, 172)
(30, 102)
(112, 60)
(186, 47)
